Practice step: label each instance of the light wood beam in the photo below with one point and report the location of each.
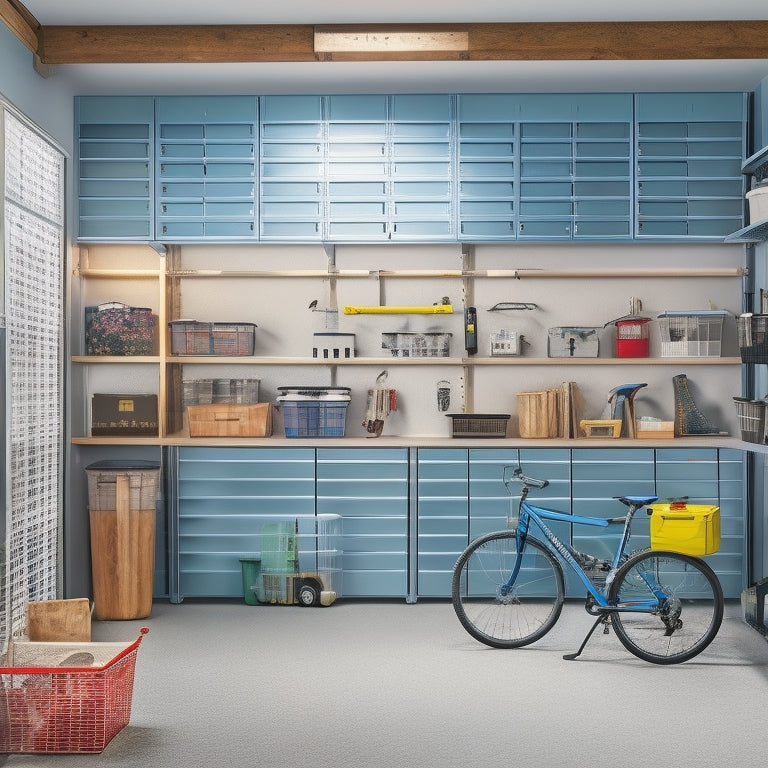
(21, 22)
(609, 41)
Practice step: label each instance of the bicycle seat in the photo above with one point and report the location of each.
(636, 501)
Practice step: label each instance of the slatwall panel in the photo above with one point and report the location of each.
(33, 240)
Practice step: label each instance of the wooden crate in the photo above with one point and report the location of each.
(538, 413)
(59, 620)
(225, 420)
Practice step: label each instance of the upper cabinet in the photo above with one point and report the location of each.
(114, 139)
(206, 168)
(390, 168)
(545, 167)
(357, 168)
(292, 159)
(411, 167)
(689, 151)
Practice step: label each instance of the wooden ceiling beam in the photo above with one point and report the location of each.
(21, 22)
(559, 41)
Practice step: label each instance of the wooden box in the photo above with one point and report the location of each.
(60, 621)
(538, 413)
(225, 420)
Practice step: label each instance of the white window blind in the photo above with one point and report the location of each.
(33, 310)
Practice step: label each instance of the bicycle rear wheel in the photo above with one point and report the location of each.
(686, 619)
(507, 617)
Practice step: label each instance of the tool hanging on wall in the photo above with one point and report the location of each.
(470, 330)
(512, 305)
(381, 401)
(441, 307)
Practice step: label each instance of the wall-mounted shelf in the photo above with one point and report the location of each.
(475, 378)
(754, 233)
(461, 274)
(757, 165)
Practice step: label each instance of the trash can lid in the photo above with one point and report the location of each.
(123, 464)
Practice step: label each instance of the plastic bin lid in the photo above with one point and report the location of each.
(694, 313)
(122, 464)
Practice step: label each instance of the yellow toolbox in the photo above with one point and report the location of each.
(692, 529)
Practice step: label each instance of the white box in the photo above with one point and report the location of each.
(758, 204)
(573, 341)
(505, 342)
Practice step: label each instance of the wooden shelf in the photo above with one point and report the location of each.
(118, 274)
(425, 441)
(467, 361)
(513, 274)
(116, 359)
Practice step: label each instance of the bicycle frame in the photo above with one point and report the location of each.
(530, 513)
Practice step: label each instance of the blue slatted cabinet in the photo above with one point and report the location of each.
(711, 476)
(114, 140)
(599, 475)
(292, 158)
(224, 497)
(689, 150)
(443, 516)
(206, 166)
(488, 155)
(575, 167)
(368, 488)
(390, 168)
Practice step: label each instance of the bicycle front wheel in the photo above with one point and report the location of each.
(678, 601)
(498, 613)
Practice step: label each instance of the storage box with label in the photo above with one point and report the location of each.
(573, 341)
(124, 415)
(692, 529)
(226, 420)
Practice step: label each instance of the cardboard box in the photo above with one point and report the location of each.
(124, 415)
(224, 420)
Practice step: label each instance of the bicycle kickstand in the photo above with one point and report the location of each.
(604, 619)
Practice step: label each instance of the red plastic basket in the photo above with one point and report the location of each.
(66, 709)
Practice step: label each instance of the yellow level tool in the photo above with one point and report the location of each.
(435, 309)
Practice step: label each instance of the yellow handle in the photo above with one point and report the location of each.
(435, 309)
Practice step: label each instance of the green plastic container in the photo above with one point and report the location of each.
(251, 568)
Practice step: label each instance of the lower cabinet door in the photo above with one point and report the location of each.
(368, 488)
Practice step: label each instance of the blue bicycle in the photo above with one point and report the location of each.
(508, 586)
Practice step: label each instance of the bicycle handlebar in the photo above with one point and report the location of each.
(512, 473)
